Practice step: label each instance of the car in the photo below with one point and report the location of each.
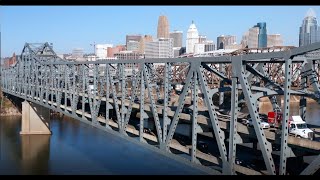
(145, 130)
(202, 146)
(160, 101)
(136, 100)
(186, 109)
(263, 117)
(263, 124)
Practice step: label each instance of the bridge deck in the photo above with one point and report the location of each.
(304, 144)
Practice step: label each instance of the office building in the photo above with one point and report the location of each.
(163, 27)
(309, 30)
(223, 41)
(177, 38)
(192, 38)
(159, 48)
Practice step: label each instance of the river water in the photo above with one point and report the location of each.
(78, 148)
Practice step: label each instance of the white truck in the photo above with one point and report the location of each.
(299, 128)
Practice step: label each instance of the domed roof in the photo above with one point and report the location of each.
(192, 27)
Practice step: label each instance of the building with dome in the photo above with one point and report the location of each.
(192, 38)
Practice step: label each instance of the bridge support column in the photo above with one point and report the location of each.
(35, 119)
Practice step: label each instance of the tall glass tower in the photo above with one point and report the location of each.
(309, 30)
(262, 37)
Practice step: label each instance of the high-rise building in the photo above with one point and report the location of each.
(144, 39)
(133, 45)
(257, 37)
(134, 37)
(253, 37)
(209, 46)
(274, 40)
(177, 38)
(159, 48)
(309, 30)
(223, 41)
(192, 38)
(163, 27)
(262, 37)
(245, 40)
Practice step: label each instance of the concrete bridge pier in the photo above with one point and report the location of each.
(35, 119)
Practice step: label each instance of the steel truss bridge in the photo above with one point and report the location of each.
(91, 91)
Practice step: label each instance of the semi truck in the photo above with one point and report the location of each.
(297, 126)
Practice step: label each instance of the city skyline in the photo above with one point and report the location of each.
(69, 27)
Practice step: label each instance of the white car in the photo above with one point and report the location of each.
(264, 125)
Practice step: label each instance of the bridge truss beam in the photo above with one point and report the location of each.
(84, 90)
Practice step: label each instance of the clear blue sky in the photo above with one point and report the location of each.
(69, 27)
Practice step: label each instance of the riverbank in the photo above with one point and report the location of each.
(7, 108)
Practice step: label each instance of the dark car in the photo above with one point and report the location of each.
(202, 146)
(160, 101)
(263, 117)
(186, 109)
(145, 130)
(136, 100)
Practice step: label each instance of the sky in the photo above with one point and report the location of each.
(69, 27)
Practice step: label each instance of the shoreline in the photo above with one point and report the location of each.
(7, 115)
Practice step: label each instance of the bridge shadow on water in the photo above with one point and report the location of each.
(76, 148)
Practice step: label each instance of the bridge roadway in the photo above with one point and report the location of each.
(305, 145)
